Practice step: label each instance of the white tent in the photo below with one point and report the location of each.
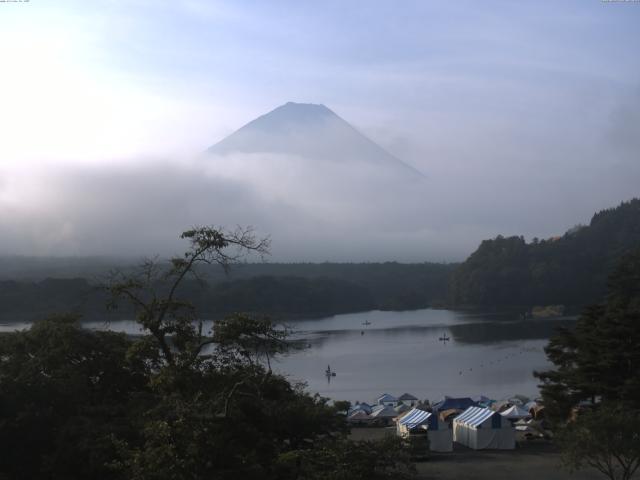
(515, 413)
(418, 421)
(482, 428)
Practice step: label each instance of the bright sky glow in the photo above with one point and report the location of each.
(530, 96)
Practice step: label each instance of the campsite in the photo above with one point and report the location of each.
(488, 439)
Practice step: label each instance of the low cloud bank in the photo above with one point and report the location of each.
(313, 211)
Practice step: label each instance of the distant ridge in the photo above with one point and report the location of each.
(311, 131)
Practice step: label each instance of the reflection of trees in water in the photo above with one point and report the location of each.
(504, 315)
(467, 333)
(413, 334)
(491, 332)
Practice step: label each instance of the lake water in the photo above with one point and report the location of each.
(489, 354)
(396, 352)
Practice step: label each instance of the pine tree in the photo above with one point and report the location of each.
(599, 360)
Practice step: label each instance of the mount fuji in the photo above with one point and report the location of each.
(314, 133)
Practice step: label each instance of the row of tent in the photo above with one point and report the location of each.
(482, 401)
(387, 408)
(514, 408)
(478, 428)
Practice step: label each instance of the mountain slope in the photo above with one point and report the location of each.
(571, 269)
(309, 131)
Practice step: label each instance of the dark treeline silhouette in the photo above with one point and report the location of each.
(504, 272)
(277, 289)
(570, 270)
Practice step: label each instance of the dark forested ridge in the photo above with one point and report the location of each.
(392, 285)
(506, 271)
(569, 270)
(277, 289)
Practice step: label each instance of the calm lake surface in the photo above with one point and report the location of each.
(397, 352)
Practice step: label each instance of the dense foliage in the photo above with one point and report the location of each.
(593, 394)
(606, 439)
(178, 403)
(391, 285)
(63, 392)
(341, 459)
(81, 404)
(570, 270)
(599, 359)
(277, 289)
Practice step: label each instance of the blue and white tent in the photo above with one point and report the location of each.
(408, 400)
(418, 421)
(448, 403)
(383, 411)
(383, 414)
(386, 399)
(365, 407)
(482, 401)
(482, 428)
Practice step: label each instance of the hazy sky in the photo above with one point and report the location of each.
(525, 116)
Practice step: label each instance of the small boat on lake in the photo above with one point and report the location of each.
(366, 322)
(328, 372)
(444, 338)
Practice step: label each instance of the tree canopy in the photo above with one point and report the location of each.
(593, 394)
(606, 439)
(571, 269)
(176, 402)
(599, 359)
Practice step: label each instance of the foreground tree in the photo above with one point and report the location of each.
(599, 360)
(176, 403)
(593, 395)
(220, 410)
(607, 439)
(341, 459)
(153, 290)
(64, 392)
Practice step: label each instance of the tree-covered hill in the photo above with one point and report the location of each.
(569, 270)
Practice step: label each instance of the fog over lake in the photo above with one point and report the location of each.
(493, 354)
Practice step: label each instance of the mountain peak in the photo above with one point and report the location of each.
(299, 106)
(290, 114)
(308, 130)
(307, 108)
